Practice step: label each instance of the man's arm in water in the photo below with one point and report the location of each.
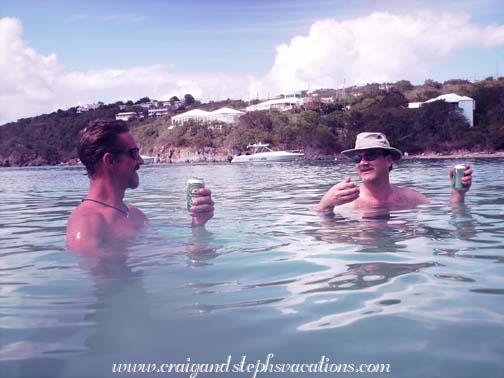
(458, 195)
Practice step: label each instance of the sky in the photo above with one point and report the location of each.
(58, 54)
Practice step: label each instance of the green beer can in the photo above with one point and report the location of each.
(458, 173)
(193, 185)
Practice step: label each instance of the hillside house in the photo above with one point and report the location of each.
(465, 104)
(126, 116)
(286, 103)
(158, 112)
(88, 107)
(225, 115)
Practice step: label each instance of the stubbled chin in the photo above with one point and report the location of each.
(134, 182)
(366, 175)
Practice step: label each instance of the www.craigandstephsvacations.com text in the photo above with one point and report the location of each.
(251, 368)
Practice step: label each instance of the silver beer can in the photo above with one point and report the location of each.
(458, 173)
(193, 184)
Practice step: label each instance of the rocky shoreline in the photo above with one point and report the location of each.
(191, 155)
(216, 155)
(457, 155)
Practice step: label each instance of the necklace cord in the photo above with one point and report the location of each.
(125, 212)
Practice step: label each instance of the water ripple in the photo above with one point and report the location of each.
(268, 267)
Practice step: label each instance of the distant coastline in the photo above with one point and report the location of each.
(222, 159)
(325, 123)
(456, 155)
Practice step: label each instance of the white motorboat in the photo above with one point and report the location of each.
(262, 153)
(147, 159)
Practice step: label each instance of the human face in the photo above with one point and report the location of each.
(130, 160)
(372, 165)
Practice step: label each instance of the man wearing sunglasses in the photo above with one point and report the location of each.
(373, 157)
(111, 156)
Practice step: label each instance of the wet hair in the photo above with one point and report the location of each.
(99, 137)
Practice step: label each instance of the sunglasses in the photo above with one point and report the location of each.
(134, 153)
(367, 156)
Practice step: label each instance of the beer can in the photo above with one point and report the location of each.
(458, 173)
(193, 184)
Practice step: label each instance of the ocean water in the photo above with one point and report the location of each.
(418, 292)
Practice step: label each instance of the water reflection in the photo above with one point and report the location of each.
(120, 301)
(269, 268)
(411, 235)
(384, 229)
(380, 229)
(361, 276)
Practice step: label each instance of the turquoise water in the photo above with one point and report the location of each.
(420, 290)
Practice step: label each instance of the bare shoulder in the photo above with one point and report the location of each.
(137, 215)
(86, 229)
(411, 196)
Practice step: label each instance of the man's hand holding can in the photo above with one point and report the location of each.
(199, 201)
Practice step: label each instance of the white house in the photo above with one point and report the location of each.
(88, 107)
(226, 115)
(282, 104)
(158, 112)
(125, 116)
(466, 104)
(149, 105)
(195, 114)
(172, 105)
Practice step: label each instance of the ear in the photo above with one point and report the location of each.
(390, 160)
(108, 160)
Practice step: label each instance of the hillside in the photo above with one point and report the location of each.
(322, 128)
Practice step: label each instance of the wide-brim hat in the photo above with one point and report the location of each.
(366, 141)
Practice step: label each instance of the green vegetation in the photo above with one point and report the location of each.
(328, 128)
(46, 139)
(321, 128)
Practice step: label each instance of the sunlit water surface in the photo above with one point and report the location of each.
(421, 290)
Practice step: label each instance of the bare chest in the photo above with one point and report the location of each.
(121, 229)
(397, 199)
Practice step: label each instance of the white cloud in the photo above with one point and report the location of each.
(27, 78)
(377, 48)
(33, 84)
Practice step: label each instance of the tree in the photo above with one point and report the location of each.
(189, 99)
(393, 99)
(404, 85)
(252, 127)
(456, 82)
(336, 120)
(427, 95)
(143, 100)
(433, 84)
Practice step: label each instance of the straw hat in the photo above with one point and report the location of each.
(366, 141)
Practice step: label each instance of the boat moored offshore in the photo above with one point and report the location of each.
(262, 153)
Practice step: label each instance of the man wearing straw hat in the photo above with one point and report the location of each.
(373, 157)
